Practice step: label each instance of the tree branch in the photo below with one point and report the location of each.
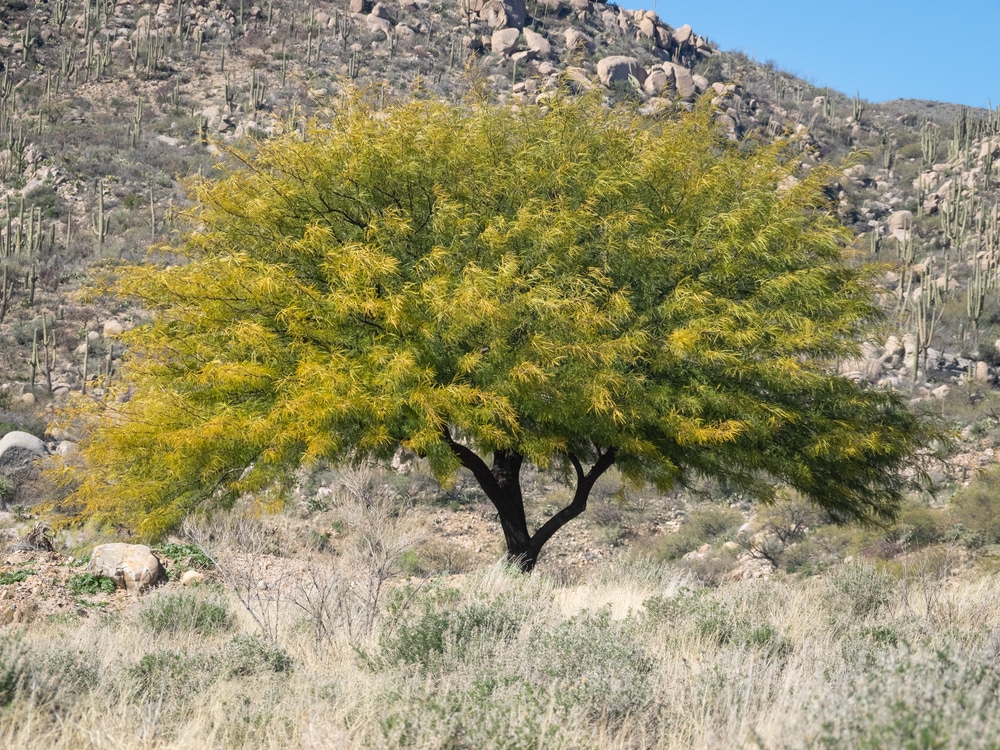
(585, 483)
(471, 461)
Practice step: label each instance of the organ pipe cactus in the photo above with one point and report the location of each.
(927, 310)
(975, 297)
(6, 292)
(135, 131)
(100, 221)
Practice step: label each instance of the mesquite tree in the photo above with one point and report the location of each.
(565, 284)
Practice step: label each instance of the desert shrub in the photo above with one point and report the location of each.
(977, 508)
(525, 692)
(739, 615)
(25, 333)
(173, 675)
(919, 525)
(861, 590)
(863, 647)
(75, 671)
(910, 151)
(47, 199)
(452, 631)
(711, 569)
(88, 583)
(705, 525)
(725, 624)
(907, 698)
(184, 612)
(601, 660)
(249, 655)
(7, 491)
(825, 547)
(14, 671)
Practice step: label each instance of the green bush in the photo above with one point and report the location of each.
(74, 671)
(453, 631)
(184, 612)
(249, 655)
(601, 661)
(977, 507)
(860, 589)
(919, 525)
(186, 556)
(740, 616)
(88, 583)
(705, 525)
(171, 675)
(7, 491)
(15, 576)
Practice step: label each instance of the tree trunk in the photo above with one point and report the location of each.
(502, 485)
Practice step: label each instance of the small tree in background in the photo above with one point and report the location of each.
(557, 285)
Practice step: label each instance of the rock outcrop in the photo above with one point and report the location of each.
(133, 567)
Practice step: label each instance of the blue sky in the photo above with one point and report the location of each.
(884, 49)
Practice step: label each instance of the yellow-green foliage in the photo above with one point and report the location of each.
(559, 280)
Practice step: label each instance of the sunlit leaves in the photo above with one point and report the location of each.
(555, 280)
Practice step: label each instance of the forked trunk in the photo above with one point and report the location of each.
(502, 485)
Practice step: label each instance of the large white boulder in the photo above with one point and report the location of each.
(576, 39)
(683, 81)
(133, 567)
(21, 442)
(537, 44)
(504, 41)
(656, 82)
(501, 13)
(619, 68)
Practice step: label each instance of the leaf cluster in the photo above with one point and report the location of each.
(554, 281)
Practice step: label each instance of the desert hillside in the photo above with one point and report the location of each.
(372, 609)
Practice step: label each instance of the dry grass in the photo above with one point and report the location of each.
(634, 657)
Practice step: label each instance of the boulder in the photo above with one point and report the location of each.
(192, 577)
(114, 327)
(900, 223)
(683, 81)
(133, 567)
(619, 68)
(503, 13)
(656, 82)
(19, 448)
(684, 34)
(537, 44)
(577, 78)
(504, 41)
(576, 39)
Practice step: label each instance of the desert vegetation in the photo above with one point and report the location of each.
(308, 604)
(338, 620)
(637, 654)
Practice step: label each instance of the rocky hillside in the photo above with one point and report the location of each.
(106, 106)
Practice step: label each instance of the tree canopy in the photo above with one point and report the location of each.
(488, 286)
